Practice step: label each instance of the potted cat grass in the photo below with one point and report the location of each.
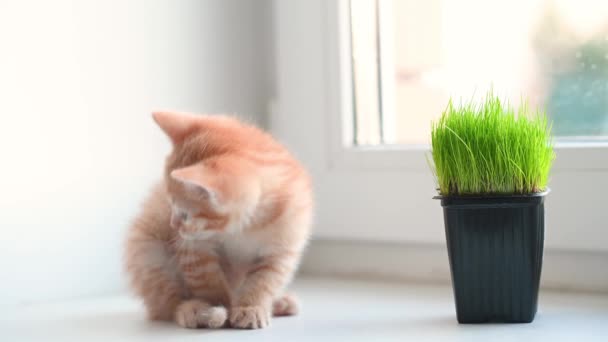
(492, 164)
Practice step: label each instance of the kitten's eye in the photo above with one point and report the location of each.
(183, 216)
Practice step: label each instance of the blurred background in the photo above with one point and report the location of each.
(79, 150)
(552, 52)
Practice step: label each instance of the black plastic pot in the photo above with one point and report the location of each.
(495, 246)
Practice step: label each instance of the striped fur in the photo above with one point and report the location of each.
(219, 239)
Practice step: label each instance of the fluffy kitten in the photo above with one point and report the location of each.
(220, 238)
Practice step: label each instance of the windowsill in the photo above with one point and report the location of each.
(333, 310)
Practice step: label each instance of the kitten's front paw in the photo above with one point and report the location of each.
(249, 317)
(197, 314)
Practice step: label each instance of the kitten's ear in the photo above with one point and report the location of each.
(197, 182)
(175, 125)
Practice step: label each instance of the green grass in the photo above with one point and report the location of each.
(491, 148)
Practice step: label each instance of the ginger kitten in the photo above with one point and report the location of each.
(219, 239)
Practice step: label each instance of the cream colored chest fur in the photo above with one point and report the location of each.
(234, 254)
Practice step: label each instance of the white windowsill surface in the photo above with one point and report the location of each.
(332, 310)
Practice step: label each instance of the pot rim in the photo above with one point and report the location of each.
(494, 196)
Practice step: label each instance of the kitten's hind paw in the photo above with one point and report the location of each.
(198, 314)
(287, 305)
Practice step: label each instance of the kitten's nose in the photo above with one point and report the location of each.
(176, 221)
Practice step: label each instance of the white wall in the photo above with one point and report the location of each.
(78, 149)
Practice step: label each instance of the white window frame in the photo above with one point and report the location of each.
(384, 193)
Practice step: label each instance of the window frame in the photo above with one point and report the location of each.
(314, 91)
(411, 157)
